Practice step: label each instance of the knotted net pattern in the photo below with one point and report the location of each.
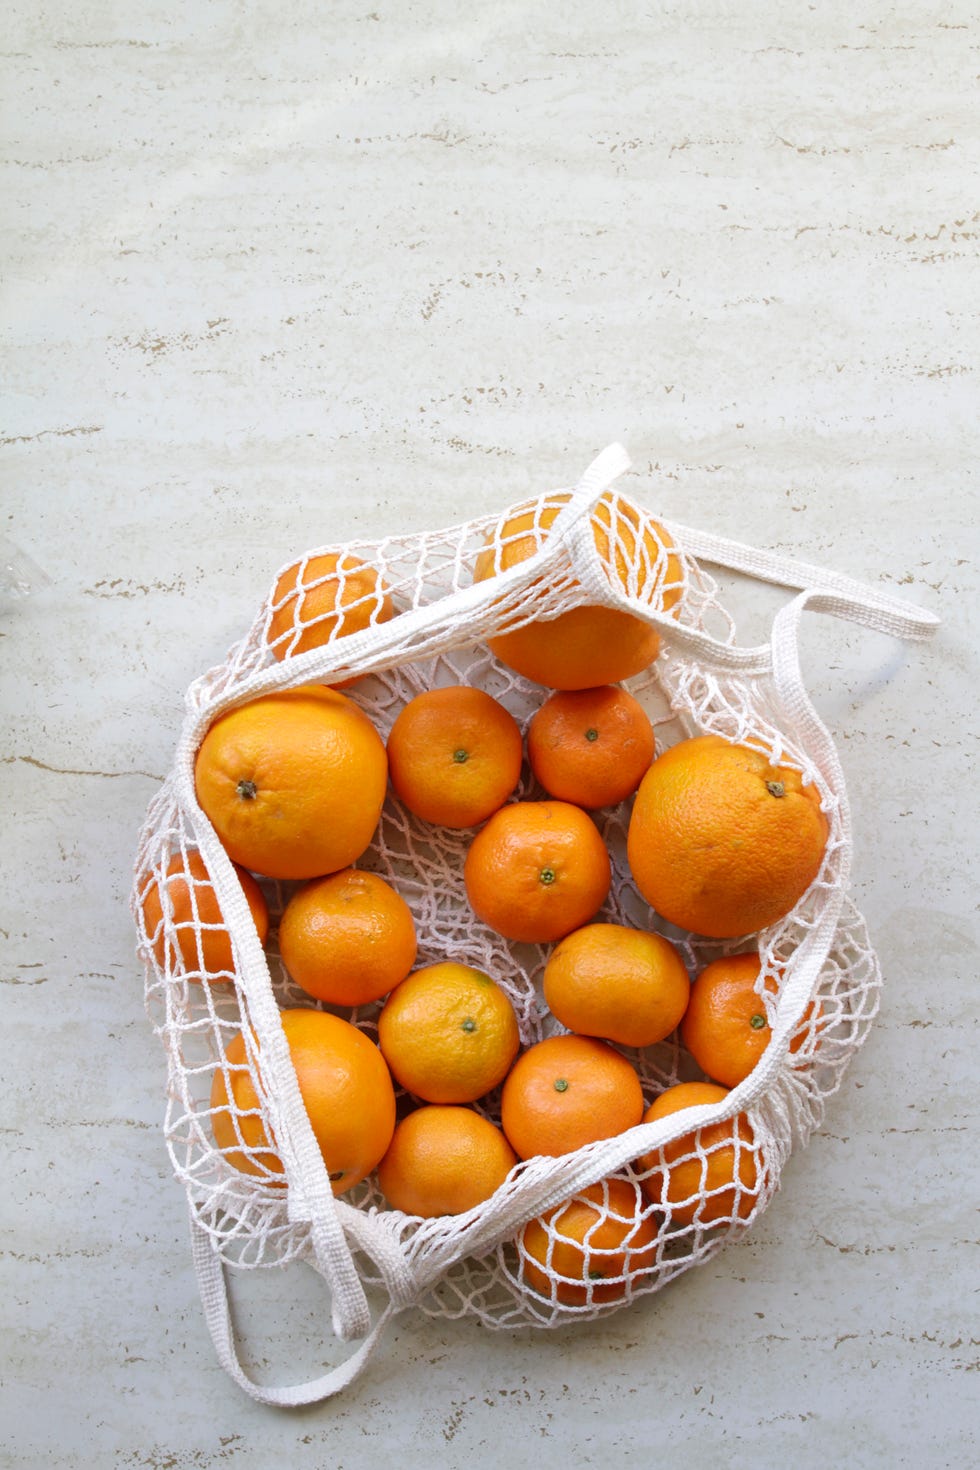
(476, 1264)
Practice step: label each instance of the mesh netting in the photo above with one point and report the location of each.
(422, 608)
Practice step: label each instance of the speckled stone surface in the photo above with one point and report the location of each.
(277, 275)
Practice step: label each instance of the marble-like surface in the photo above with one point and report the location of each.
(279, 275)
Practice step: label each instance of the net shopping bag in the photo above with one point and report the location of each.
(434, 629)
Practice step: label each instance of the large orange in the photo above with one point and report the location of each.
(590, 746)
(721, 841)
(448, 1033)
(726, 1028)
(567, 1091)
(626, 985)
(591, 644)
(444, 1160)
(348, 938)
(201, 937)
(712, 1174)
(454, 755)
(537, 870)
(589, 1249)
(293, 782)
(326, 597)
(346, 1090)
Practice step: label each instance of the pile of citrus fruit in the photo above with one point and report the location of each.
(720, 843)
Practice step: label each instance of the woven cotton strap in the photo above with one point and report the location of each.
(213, 1286)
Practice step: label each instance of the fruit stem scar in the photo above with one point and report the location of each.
(469, 1024)
(561, 1084)
(547, 875)
(336, 1174)
(247, 790)
(461, 755)
(757, 1022)
(775, 788)
(592, 733)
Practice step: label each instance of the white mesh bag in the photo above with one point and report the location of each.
(375, 1260)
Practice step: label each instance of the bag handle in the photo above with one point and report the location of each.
(213, 1286)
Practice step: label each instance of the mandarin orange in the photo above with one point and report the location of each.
(346, 1090)
(566, 1091)
(454, 755)
(449, 1033)
(590, 746)
(590, 644)
(710, 1175)
(319, 599)
(621, 984)
(537, 870)
(348, 938)
(202, 938)
(721, 841)
(293, 782)
(591, 1248)
(443, 1161)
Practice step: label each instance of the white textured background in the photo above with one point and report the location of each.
(280, 274)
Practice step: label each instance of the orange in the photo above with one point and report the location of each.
(567, 1091)
(727, 1175)
(444, 1160)
(721, 841)
(346, 1090)
(590, 746)
(348, 938)
(454, 755)
(586, 1250)
(726, 1028)
(537, 870)
(326, 597)
(625, 985)
(448, 1033)
(294, 782)
(591, 644)
(202, 939)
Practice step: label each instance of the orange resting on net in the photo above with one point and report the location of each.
(454, 755)
(728, 1175)
(537, 870)
(625, 985)
(591, 644)
(726, 1028)
(590, 746)
(567, 1091)
(448, 1033)
(346, 1090)
(721, 841)
(202, 940)
(444, 1160)
(293, 782)
(326, 597)
(586, 1250)
(348, 938)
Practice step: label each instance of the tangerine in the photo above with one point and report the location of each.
(590, 746)
(320, 598)
(591, 644)
(443, 1161)
(587, 1250)
(454, 755)
(625, 985)
(347, 939)
(293, 782)
(721, 841)
(537, 870)
(346, 1090)
(726, 1026)
(708, 1176)
(448, 1033)
(566, 1091)
(201, 935)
